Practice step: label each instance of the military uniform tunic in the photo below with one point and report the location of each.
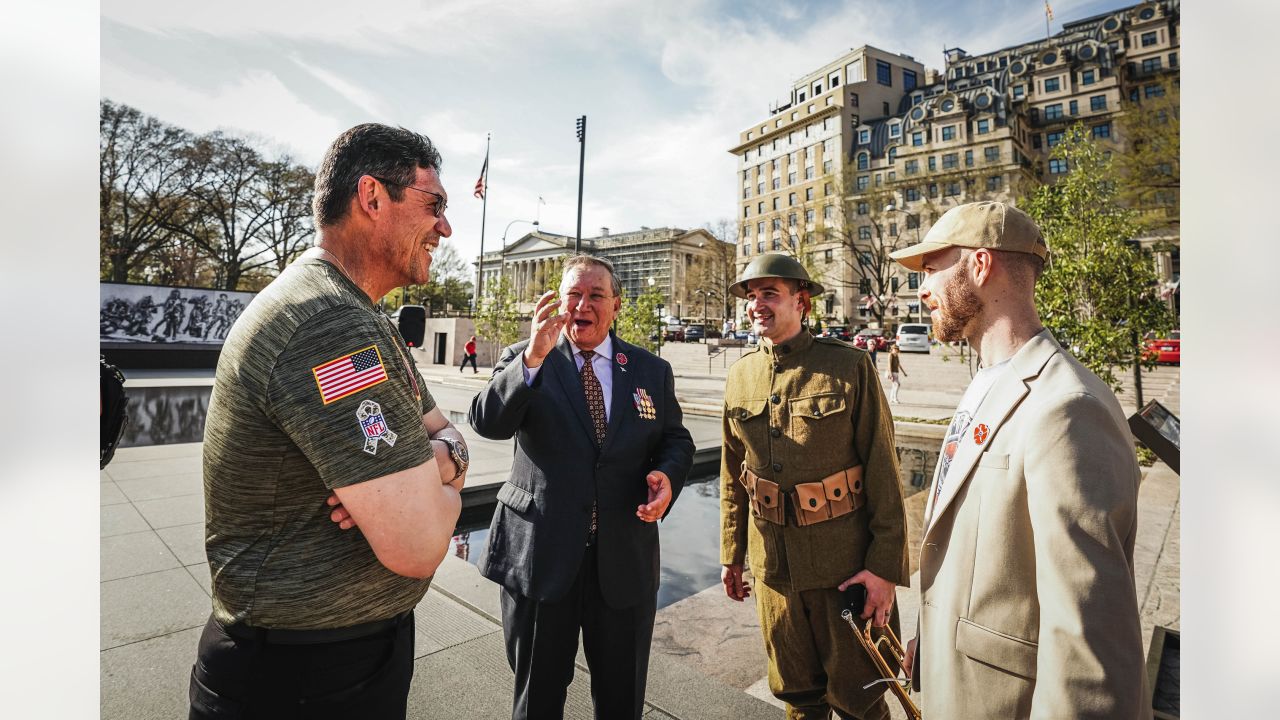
(798, 412)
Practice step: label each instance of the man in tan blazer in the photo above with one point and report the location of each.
(1028, 607)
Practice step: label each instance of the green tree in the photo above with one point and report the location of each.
(639, 319)
(1150, 129)
(496, 319)
(1099, 293)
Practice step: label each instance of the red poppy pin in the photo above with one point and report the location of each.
(622, 359)
(980, 434)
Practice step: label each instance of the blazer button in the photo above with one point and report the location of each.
(775, 399)
(775, 432)
(777, 467)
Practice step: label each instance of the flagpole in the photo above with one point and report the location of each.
(484, 196)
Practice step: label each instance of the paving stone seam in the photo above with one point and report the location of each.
(495, 620)
(1164, 542)
(147, 639)
(460, 643)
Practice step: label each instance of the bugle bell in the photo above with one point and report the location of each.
(888, 640)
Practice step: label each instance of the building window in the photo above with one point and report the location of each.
(1053, 112)
(864, 161)
(760, 208)
(895, 130)
(1057, 166)
(1101, 131)
(826, 189)
(893, 155)
(968, 158)
(908, 80)
(864, 286)
(791, 199)
(984, 126)
(1052, 85)
(1098, 103)
(808, 216)
(746, 249)
(893, 229)
(1035, 141)
(775, 203)
(791, 220)
(951, 189)
(864, 137)
(1149, 39)
(746, 212)
(853, 99)
(933, 190)
(1173, 60)
(826, 167)
(809, 173)
(917, 139)
(911, 194)
(759, 246)
(884, 73)
(777, 224)
(1151, 65)
(1019, 92)
(991, 154)
(746, 193)
(949, 133)
(827, 256)
(863, 208)
(1053, 138)
(760, 228)
(828, 212)
(1151, 91)
(776, 244)
(1073, 108)
(993, 183)
(791, 178)
(950, 161)
(911, 167)
(861, 183)
(777, 182)
(808, 194)
(1088, 77)
(933, 163)
(913, 221)
(913, 281)
(864, 232)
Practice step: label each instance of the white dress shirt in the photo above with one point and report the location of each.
(601, 363)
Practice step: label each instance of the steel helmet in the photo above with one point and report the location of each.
(775, 265)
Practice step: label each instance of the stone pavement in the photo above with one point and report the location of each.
(707, 659)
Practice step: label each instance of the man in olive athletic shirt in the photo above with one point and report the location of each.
(314, 395)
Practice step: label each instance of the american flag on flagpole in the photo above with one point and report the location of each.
(349, 374)
(481, 184)
(1048, 11)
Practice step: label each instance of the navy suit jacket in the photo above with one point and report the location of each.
(539, 532)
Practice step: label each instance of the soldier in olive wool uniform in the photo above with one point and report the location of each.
(810, 496)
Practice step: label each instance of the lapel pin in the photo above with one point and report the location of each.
(980, 434)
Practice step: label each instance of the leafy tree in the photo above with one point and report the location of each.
(496, 319)
(1150, 130)
(1098, 294)
(639, 319)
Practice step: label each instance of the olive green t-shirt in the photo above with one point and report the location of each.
(314, 391)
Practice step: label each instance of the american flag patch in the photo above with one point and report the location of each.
(349, 374)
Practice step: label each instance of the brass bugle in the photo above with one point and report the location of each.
(899, 686)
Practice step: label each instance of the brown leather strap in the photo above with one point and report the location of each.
(837, 494)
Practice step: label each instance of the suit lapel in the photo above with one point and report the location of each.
(566, 371)
(1009, 390)
(624, 386)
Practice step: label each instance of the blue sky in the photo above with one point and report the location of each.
(666, 85)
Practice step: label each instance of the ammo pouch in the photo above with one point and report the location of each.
(833, 496)
(766, 497)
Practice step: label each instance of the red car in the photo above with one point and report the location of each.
(868, 335)
(1166, 350)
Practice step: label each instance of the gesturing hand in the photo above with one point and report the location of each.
(659, 497)
(544, 330)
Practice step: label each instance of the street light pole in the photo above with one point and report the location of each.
(582, 159)
(502, 268)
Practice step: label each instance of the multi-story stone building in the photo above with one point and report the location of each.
(869, 150)
(681, 264)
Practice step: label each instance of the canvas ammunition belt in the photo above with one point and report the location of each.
(812, 502)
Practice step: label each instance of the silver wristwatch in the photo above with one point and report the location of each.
(458, 452)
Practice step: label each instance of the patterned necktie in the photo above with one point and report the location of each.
(595, 396)
(595, 408)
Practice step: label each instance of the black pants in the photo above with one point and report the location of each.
(241, 675)
(469, 359)
(542, 642)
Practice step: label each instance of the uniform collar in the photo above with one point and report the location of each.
(782, 352)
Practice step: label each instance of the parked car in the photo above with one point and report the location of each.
(1166, 350)
(870, 335)
(839, 332)
(694, 333)
(673, 333)
(913, 337)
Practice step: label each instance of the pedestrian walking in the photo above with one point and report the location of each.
(470, 356)
(895, 367)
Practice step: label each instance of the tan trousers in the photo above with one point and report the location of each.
(816, 665)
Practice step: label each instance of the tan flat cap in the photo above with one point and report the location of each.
(987, 224)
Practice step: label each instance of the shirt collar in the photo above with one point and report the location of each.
(782, 352)
(604, 349)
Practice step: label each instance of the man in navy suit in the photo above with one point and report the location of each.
(601, 453)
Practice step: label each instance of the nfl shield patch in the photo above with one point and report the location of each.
(374, 426)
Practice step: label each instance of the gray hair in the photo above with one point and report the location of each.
(583, 260)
